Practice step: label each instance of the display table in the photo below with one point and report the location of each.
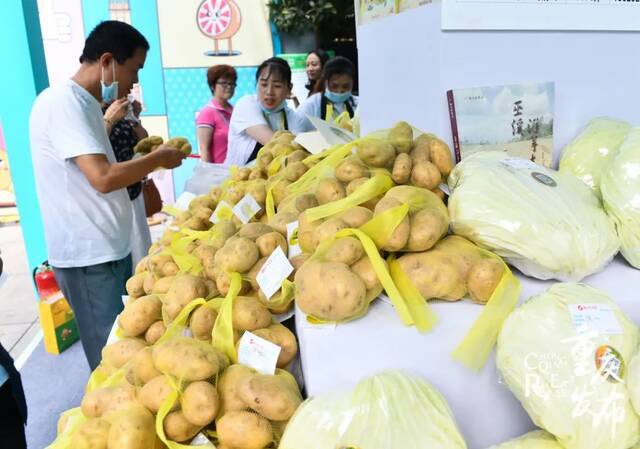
(337, 357)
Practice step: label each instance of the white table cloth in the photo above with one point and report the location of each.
(337, 357)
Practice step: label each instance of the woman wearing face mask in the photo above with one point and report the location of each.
(122, 123)
(257, 117)
(212, 124)
(337, 98)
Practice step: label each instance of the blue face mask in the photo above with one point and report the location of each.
(110, 92)
(334, 97)
(278, 108)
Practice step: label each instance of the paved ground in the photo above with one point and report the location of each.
(18, 306)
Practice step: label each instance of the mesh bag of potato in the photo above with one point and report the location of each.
(344, 275)
(239, 314)
(255, 408)
(454, 269)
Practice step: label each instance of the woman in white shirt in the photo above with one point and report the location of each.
(338, 75)
(257, 117)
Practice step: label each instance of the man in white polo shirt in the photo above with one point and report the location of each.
(85, 208)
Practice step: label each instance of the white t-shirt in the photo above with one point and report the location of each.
(311, 106)
(247, 113)
(82, 226)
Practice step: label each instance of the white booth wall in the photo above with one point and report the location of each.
(406, 65)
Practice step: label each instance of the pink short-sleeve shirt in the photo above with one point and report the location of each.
(214, 116)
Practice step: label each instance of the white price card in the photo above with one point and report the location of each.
(200, 440)
(275, 270)
(223, 212)
(595, 317)
(292, 239)
(125, 299)
(258, 353)
(183, 200)
(445, 188)
(246, 208)
(519, 163)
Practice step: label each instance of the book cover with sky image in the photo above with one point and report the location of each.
(516, 119)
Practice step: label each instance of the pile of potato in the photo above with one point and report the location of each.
(149, 144)
(453, 269)
(346, 274)
(425, 224)
(254, 407)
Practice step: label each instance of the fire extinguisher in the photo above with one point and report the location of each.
(45, 280)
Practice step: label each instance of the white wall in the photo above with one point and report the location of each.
(62, 36)
(406, 65)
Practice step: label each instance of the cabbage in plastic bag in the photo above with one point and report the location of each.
(538, 439)
(388, 410)
(621, 196)
(565, 355)
(588, 155)
(547, 224)
(633, 382)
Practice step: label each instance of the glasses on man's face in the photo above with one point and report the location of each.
(226, 84)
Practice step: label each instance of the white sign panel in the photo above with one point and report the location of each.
(586, 15)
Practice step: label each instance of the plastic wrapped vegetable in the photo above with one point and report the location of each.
(547, 224)
(538, 439)
(588, 156)
(621, 196)
(564, 354)
(388, 410)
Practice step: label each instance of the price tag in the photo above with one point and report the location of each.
(275, 270)
(223, 212)
(258, 353)
(292, 239)
(519, 163)
(595, 317)
(445, 189)
(183, 200)
(246, 208)
(202, 441)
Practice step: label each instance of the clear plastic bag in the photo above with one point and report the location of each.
(538, 439)
(620, 186)
(205, 176)
(548, 224)
(564, 354)
(588, 156)
(388, 410)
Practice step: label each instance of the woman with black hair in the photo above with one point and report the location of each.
(316, 60)
(257, 117)
(337, 97)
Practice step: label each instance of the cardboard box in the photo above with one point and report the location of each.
(58, 323)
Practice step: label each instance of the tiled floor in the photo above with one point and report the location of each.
(18, 306)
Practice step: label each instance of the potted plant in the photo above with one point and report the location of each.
(298, 22)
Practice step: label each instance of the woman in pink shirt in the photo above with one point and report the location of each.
(212, 124)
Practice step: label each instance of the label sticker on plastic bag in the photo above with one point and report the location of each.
(183, 200)
(544, 179)
(595, 317)
(223, 212)
(519, 163)
(246, 208)
(275, 270)
(292, 239)
(258, 353)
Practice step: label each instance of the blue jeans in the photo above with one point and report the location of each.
(95, 295)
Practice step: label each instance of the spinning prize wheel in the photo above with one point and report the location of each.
(219, 19)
